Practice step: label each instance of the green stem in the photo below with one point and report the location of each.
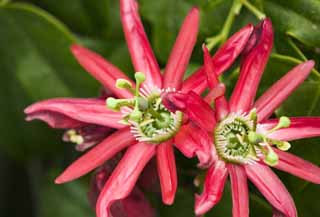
(259, 14)
(297, 50)
(223, 35)
(293, 60)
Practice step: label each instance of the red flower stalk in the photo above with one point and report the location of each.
(244, 142)
(144, 126)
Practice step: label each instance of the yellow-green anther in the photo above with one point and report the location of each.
(255, 138)
(140, 77)
(124, 84)
(112, 104)
(284, 122)
(116, 104)
(271, 158)
(283, 146)
(77, 139)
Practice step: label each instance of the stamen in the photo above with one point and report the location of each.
(150, 121)
(237, 141)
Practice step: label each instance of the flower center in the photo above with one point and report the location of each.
(238, 142)
(150, 121)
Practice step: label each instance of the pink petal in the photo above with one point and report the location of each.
(192, 141)
(272, 188)
(124, 177)
(92, 111)
(300, 128)
(97, 155)
(135, 205)
(222, 60)
(280, 91)
(252, 67)
(240, 194)
(101, 69)
(193, 106)
(213, 188)
(167, 171)
(182, 50)
(221, 104)
(142, 55)
(298, 167)
(55, 120)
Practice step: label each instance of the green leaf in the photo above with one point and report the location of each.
(63, 200)
(298, 19)
(82, 16)
(35, 63)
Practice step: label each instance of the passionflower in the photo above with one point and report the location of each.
(143, 126)
(244, 141)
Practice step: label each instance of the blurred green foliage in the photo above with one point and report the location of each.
(35, 63)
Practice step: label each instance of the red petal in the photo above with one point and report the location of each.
(213, 188)
(280, 91)
(124, 177)
(221, 104)
(167, 171)
(55, 119)
(240, 194)
(193, 106)
(182, 50)
(93, 111)
(101, 69)
(192, 141)
(300, 128)
(222, 60)
(272, 188)
(142, 55)
(298, 167)
(97, 155)
(252, 67)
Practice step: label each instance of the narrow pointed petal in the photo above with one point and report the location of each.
(272, 188)
(182, 50)
(192, 141)
(167, 171)
(93, 111)
(300, 128)
(193, 106)
(124, 177)
(55, 120)
(97, 155)
(281, 90)
(222, 60)
(239, 189)
(213, 188)
(252, 67)
(298, 167)
(221, 104)
(140, 50)
(101, 69)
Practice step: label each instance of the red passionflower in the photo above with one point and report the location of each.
(246, 141)
(144, 126)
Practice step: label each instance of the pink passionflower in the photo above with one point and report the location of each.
(244, 141)
(143, 125)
